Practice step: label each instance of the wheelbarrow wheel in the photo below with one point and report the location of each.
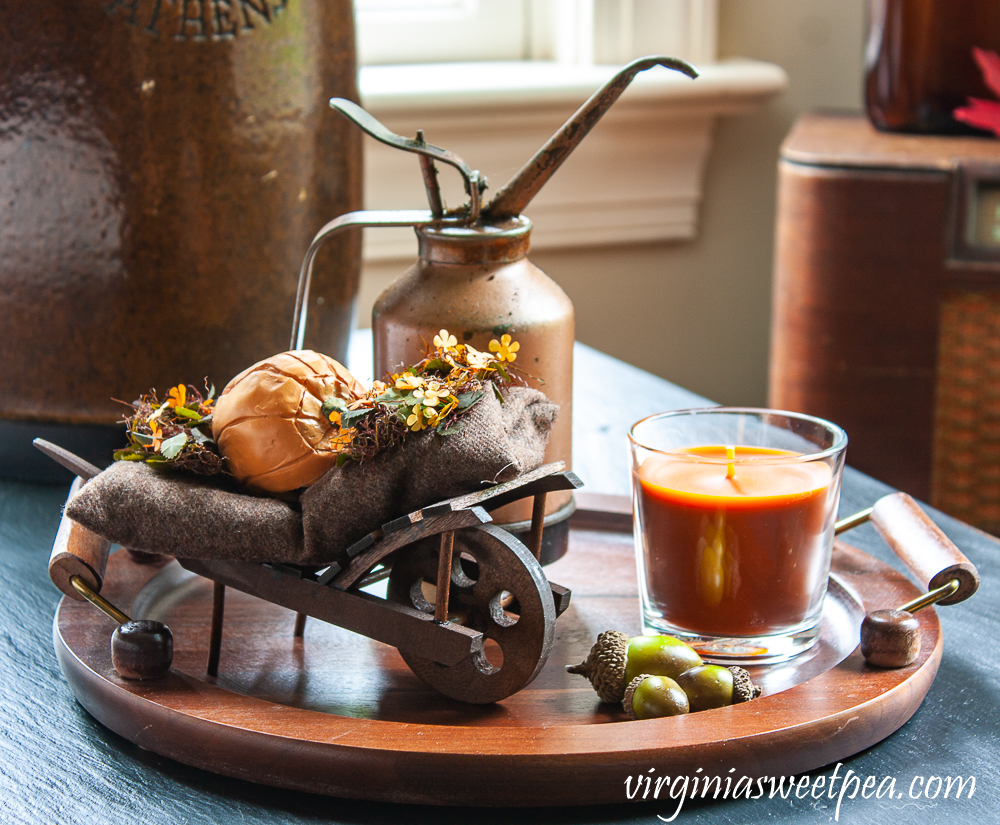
(497, 587)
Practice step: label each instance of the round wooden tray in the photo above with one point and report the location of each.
(338, 714)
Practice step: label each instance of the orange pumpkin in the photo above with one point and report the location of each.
(268, 422)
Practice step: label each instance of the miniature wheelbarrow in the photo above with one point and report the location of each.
(455, 582)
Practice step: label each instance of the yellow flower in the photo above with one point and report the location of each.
(409, 381)
(504, 348)
(476, 359)
(334, 417)
(178, 395)
(157, 436)
(445, 340)
(378, 387)
(431, 395)
(416, 420)
(339, 440)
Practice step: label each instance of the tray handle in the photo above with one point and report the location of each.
(77, 552)
(926, 551)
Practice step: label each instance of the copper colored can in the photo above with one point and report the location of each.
(478, 283)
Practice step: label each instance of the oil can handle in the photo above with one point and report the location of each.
(357, 220)
(517, 193)
(474, 182)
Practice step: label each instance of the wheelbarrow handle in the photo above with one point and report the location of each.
(77, 552)
(926, 551)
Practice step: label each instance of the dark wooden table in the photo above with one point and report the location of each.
(58, 765)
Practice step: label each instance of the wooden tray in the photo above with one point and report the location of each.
(338, 714)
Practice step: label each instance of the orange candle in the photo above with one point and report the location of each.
(736, 544)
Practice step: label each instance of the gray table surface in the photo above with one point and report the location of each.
(59, 765)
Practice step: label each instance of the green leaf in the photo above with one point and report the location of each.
(200, 438)
(351, 417)
(184, 412)
(467, 399)
(127, 455)
(450, 428)
(211, 393)
(172, 447)
(333, 405)
(342, 459)
(497, 393)
(142, 438)
(437, 365)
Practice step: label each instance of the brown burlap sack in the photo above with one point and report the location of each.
(132, 504)
(499, 442)
(135, 506)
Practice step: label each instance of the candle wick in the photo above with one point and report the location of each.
(730, 467)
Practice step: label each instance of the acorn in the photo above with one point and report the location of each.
(701, 688)
(605, 665)
(743, 689)
(653, 697)
(615, 660)
(707, 687)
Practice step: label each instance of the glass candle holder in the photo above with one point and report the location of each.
(734, 512)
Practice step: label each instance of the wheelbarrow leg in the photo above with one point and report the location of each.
(444, 577)
(300, 625)
(215, 640)
(537, 525)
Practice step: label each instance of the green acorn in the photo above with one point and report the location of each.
(700, 688)
(615, 660)
(616, 663)
(653, 697)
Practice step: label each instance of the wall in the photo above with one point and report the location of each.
(698, 312)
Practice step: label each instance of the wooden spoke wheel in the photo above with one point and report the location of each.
(497, 587)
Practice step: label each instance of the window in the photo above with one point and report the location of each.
(433, 31)
(493, 79)
(567, 31)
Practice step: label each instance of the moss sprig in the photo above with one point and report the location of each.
(175, 433)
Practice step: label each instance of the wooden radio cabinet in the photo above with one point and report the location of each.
(887, 304)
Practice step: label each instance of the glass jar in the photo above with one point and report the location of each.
(918, 63)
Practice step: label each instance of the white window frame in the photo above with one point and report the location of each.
(582, 32)
(636, 178)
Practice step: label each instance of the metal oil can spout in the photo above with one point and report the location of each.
(517, 193)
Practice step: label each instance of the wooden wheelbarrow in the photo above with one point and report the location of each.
(456, 582)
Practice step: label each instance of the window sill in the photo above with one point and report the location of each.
(637, 177)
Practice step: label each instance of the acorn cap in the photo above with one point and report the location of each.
(605, 665)
(743, 689)
(629, 692)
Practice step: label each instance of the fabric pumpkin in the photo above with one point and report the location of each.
(269, 425)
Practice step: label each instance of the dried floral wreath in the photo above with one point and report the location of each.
(432, 394)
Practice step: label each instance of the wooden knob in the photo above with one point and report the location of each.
(142, 649)
(890, 638)
(77, 552)
(928, 553)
